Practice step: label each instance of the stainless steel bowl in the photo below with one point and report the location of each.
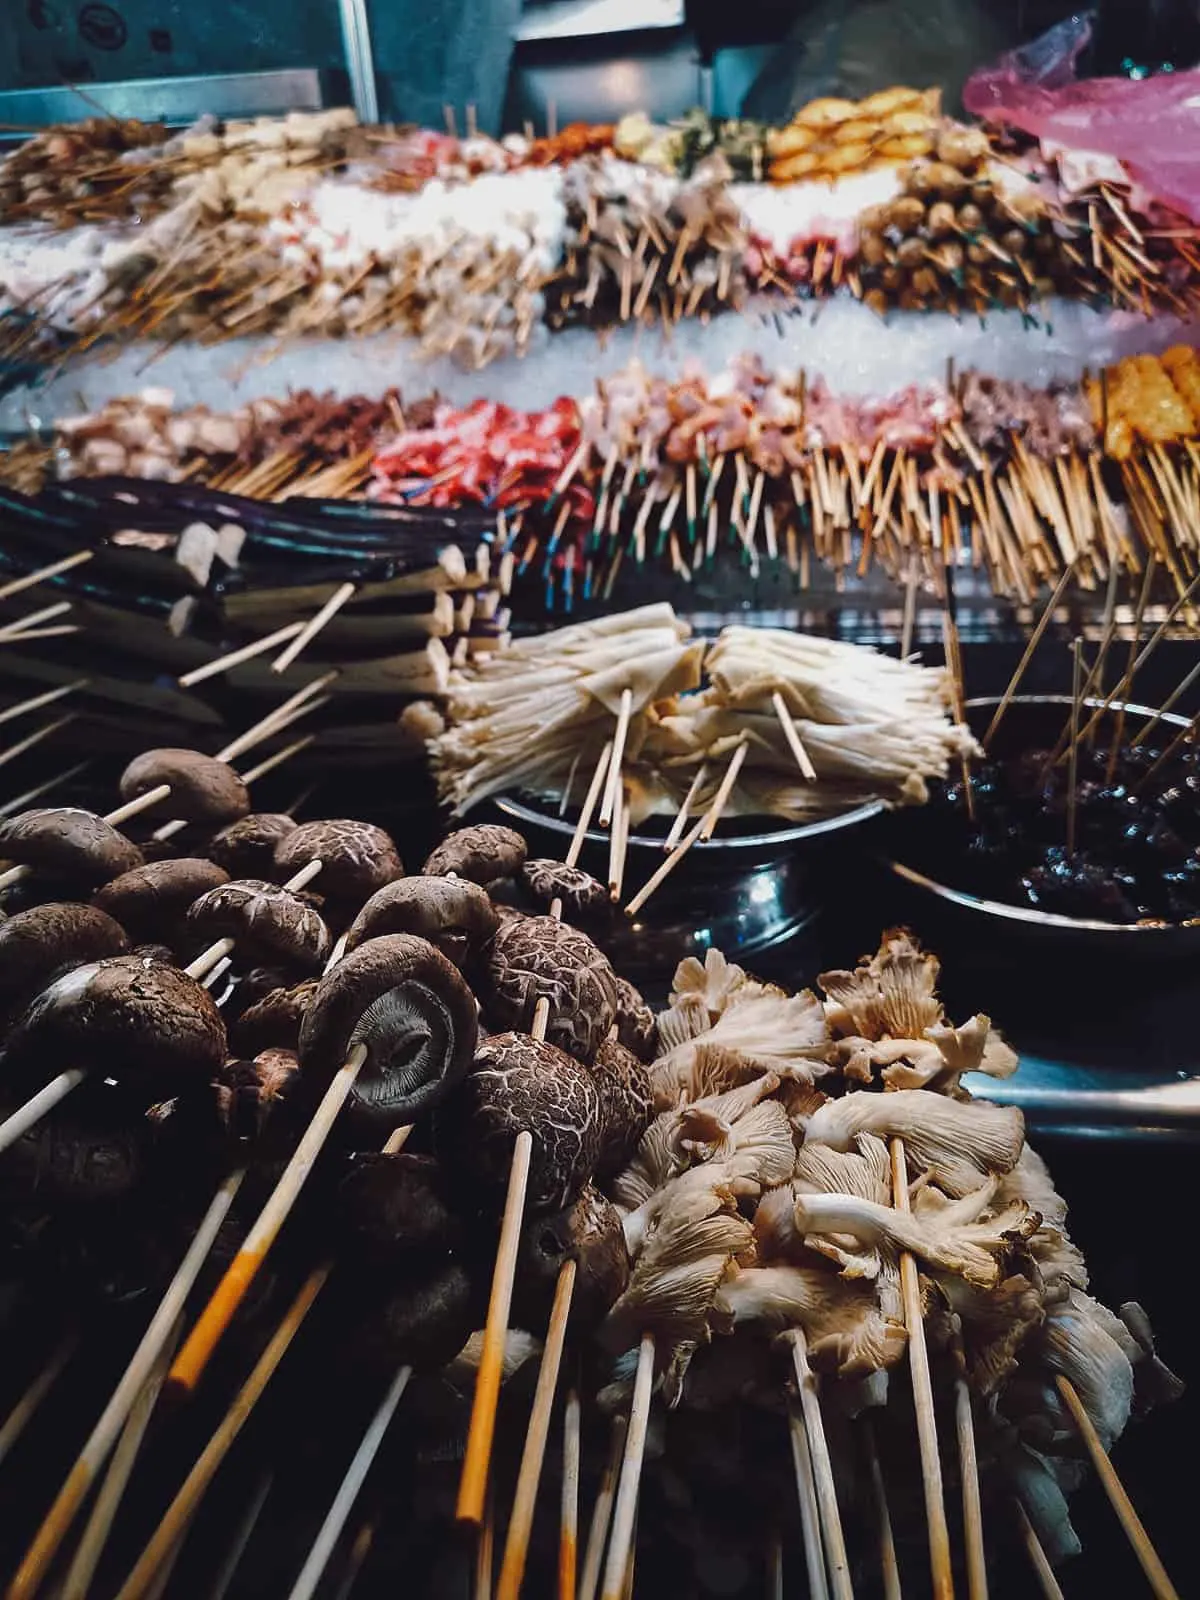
(750, 888)
(996, 918)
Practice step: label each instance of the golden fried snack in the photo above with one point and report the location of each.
(885, 101)
(909, 121)
(824, 113)
(793, 168)
(845, 158)
(907, 147)
(1183, 368)
(790, 141)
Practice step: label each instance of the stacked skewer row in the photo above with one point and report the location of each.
(723, 1190)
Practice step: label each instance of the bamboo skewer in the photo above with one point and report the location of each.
(832, 1537)
(703, 830)
(22, 1413)
(31, 740)
(22, 802)
(1032, 1545)
(241, 1536)
(33, 620)
(931, 1465)
(964, 1427)
(1035, 639)
(568, 1544)
(52, 570)
(810, 1517)
(888, 1565)
(1131, 1523)
(613, 783)
(602, 1512)
(308, 633)
(38, 701)
(1073, 749)
(39, 633)
(234, 658)
(625, 1506)
(681, 816)
(792, 735)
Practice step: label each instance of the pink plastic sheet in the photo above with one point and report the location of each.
(1153, 125)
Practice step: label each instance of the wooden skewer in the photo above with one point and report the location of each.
(1168, 704)
(832, 1537)
(181, 1509)
(792, 735)
(703, 830)
(681, 816)
(308, 633)
(908, 622)
(234, 658)
(602, 1512)
(1073, 749)
(39, 633)
(34, 619)
(348, 1491)
(37, 701)
(22, 1413)
(618, 843)
(810, 1517)
(888, 1565)
(612, 786)
(775, 1589)
(485, 1549)
(120, 1468)
(103, 1436)
(17, 585)
(520, 1523)
(1035, 639)
(203, 964)
(271, 723)
(39, 1105)
(168, 830)
(1043, 1571)
(575, 849)
(625, 1510)
(22, 802)
(242, 1534)
(278, 757)
(918, 1356)
(568, 1544)
(964, 1427)
(1156, 1573)
(33, 739)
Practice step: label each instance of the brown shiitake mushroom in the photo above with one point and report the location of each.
(454, 914)
(246, 848)
(249, 1092)
(131, 1018)
(83, 1153)
(394, 1205)
(357, 858)
(36, 944)
(411, 1009)
(626, 1105)
(588, 1233)
(637, 1028)
(484, 854)
(275, 1020)
(202, 788)
(151, 901)
(540, 957)
(424, 1323)
(519, 1084)
(69, 842)
(267, 921)
(579, 892)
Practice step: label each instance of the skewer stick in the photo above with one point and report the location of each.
(918, 1356)
(22, 802)
(1038, 1559)
(618, 841)
(1168, 704)
(278, 757)
(612, 786)
(241, 1536)
(33, 739)
(208, 959)
(120, 1468)
(520, 1523)
(703, 830)
(37, 701)
(17, 585)
(34, 619)
(168, 830)
(1035, 638)
(181, 1509)
(810, 1518)
(1073, 753)
(308, 633)
(271, 723)
(621, 1545)
(39, 633)
(964, 1427)
(775, 1590)
(22, 1413)
(1156, 1573)
(602, 1512)
(681, 816)
(792, 735)
(103, 1436)
(575, 849)
(485, 1549)
(348, 1491)
(234, 658)
(814, 1426)
(888, 1565)
(568, 1543)
(908, 622)
(191, 1361)
(38, 1106)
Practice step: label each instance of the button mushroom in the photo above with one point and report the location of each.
(520, 1084)
(131, 1018)
(483, 853)
(275, 1020)
(537, 957)
(589, 1233)
(637, 1027)
(453, 914)
(410, 1007)
(36, 944)
(579, 892)
(356, 857)
(151, 901)
(202, 788)
(270, 923)
(246, 848)
(69, 842)
(626, 1105)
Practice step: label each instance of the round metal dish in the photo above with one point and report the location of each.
(996, 918)
(748, 889)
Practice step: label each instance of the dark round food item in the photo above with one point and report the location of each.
(537, 957)
(69, 842)
(484, 854)
(579, 892)
(246, 848)
(73, 1159)
(37, 943)
(519, 1084)
(637, 1028)
(147, 1024)
(275, 1020)
(357, 858)
(424, 1323)
(626, 1105)
(270, 923)
(394, 1206)
(202, 789)
(589, 1233)
(411, 1008)
(454, 914)
(152, 901)
(250, 1092)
